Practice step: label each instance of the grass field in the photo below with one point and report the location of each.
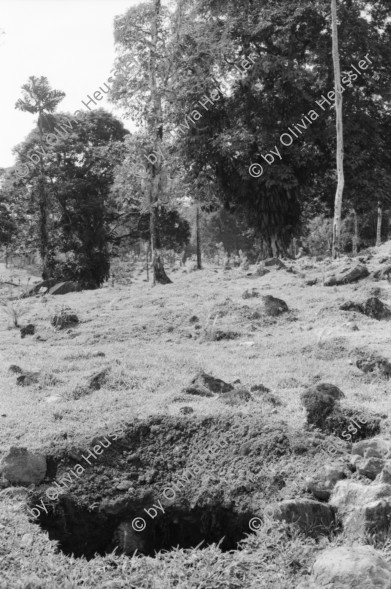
(153, 340)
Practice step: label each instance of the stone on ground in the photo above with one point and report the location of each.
(273, 306)
(347, 276)
(205, 385)
(64, 288)
(351, 567)
(324, 481)
(22, 467)
(312, 517)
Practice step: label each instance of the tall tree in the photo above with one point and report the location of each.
(145, 36)
(339, 126)
(39, 98)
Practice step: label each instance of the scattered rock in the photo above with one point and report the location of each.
(261, 271)
(322, 484)
(22, 467)
(186, 410)
(373, 362)
(250, 293)
(65, 318)
(370, 467)
(27, 330)
(237, 396)
(382, 274)
(273, 306)
(274, 262)
(15, 369)
(259, 388)
(319, 402)
(205, 385)
(372, 307)
(64, 288)
(375, 308)
(97, 380)
(312, 517)
(194, 319)
(347, 276)
(27, 379)
(363, 509)
(351, 567)
(380, 445)
(311, 282)
(43, 285)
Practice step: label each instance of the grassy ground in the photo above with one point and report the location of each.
(149, 339)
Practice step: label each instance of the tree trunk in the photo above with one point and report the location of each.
(156, 127)
(198, 237)
(379, 222)
(339, 126)
(355, 232)
(43, 214)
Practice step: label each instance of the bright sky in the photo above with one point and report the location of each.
(68, 41)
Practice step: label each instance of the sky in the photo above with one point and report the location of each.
(68, 41)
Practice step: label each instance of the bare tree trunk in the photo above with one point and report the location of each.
(156, 126)
(355, 232)
(147, 258)
(198, 237)
(379, 222)
(43, 214)
(339, 126)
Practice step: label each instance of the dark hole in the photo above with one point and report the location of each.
(85, 533)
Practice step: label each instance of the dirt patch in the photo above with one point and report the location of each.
(168, 482)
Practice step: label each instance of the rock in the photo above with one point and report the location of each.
(351, 567)
(273, 306)
(15, 369)
(312, 517)
(20, 466)
(372, 307)
(324, 481)
(274, 262)
(239, 395)
(64, 288)
(27, 379)
(186, 410)
(205, 385)
(261, 271)
(380, 445)
(382, 274)
(97, 380)
(363, 509)
(319, 402)
(311, 282)
(370, 467)
(27, 330)
(250, 293)
(352, 306)
(385, 476)
(34, 290)
(375, 308)
(259, 388)
(372, 362)
(347, 276)
(64, 319)
(194, 319)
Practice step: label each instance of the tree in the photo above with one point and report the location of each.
(146, 31)
(80, 172)
(339, 126)
(39, 98)
(276, 99)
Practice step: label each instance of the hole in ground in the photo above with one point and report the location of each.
(86, 533)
